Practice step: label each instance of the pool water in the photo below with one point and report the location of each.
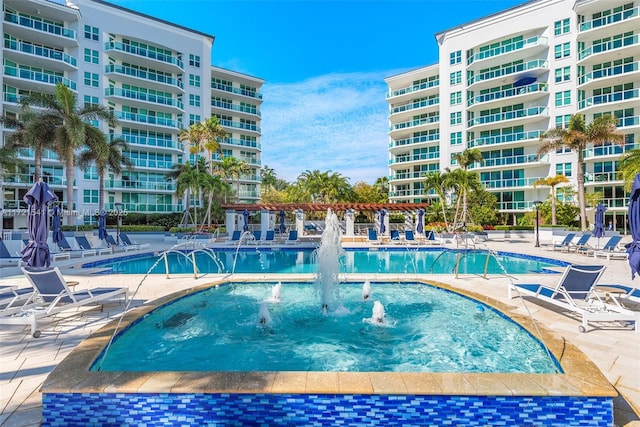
(425, 329)
(400, 261)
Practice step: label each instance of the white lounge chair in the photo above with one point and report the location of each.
(576, 293)
(115, 246)
(610, 250)
(293, 238)
(84, 244)
(235, 238)
(52, 296)
(372, 237)
(65, 246)
(563, 245)
(128, 242)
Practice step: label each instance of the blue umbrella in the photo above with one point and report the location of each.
(383, 212)
(598, 227)
(420, 228)
(36, 252)
(283, 228)
(102, 225)
(56, 232)
(245, 214)
(633, 248)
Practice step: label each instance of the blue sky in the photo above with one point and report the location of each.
(324, 64)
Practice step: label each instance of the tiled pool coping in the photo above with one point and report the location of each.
(581, 389)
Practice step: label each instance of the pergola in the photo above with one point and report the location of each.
(322, 207)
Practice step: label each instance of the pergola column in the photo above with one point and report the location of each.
(230, 221)
(349, 219)
(300, 221)
(265, 221)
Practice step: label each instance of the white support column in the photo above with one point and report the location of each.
(230, 221)
(300, 222)
(387, 230)
(265, 218)
(348, 218)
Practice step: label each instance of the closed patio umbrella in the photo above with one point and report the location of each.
(283, 227)
(420, 228)
(383, 212)
(245, 215)
(36, 252)
(633, 248)
(102, 225)
(56, 232)
(598, 227)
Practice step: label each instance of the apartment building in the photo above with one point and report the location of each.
(504, 79)
(154, 75)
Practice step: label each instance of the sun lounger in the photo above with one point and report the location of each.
(65, 246)
(115, 246)
(580, 245)
(562, 246)
(235, 238)
(293, 238)
(270, 237)
(83, 242)
(372, 237)
(12, 298)
(611, 250)
(53, 296)
(256, 238)
(124, 238)
(6, 257)
(576, 293)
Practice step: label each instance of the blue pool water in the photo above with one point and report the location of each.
(285, 261)
(425, 329)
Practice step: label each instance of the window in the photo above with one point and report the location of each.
(456, 98)
(455, 57)
(91, 101)
(91, 33)
(562, 121)
(563, 74)
(91, 79)
(563, 169)
(456, 138)
(455, 78)
(194, 60)
(194, 118)
(90, 196)
(563, 98)
(91, 56)
(194, 80)
(561, 27)
(90, 173)
(194, 100)
(562, 50)
(456, 118)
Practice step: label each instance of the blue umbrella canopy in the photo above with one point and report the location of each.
(56, 232)
(420, 228)
(598, 227)
(36, 252)
(633, 248)
(245, 215)
(283, 228)
(383, 212)
(102, 225)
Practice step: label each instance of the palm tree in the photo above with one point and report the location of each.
(577, 136)
(629, 167)
(70, 126)
(188, 179)
(105, 155)
(436, 181)
(233, 169)
(204, 136)
(552, 182)
(463, 182)
(468, 157)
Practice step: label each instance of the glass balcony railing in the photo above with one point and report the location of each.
(414, 88)
(511, 182)
(146, 53)
(602, 177)
(610, 19)
(408, 175)
(242, 143)
(415, 140)
(143, 118)
(415, 157)
(142, 96)
(236, 90)
(508, 70)
(508, 48)
(239, 125)
(629, 121)
(415, 122)
(152, 163)
(233, 107)
(29, 153)
(405, 193)
(145, 75)
(147, 207)
(516, 206)
(607, 150)
(610, 97)
(494, 96)
(148, 141)
(40, 26)
(28, 179)
(509, 160)
(506, 138)
(509, 115)
(416, 105)
(36, 76)
(608, 46)
(40, 51)
(616, 70)
(140, 185)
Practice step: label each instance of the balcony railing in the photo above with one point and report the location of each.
(40, 26)
(36, 76)
(140, 185)
(602, 177)
(241, 143)
(505, 71)
(28, 179)
(415, 122)
(511, 182)
(414, 88)
(409, 175)
(506, 138)
(609, 97)
(510, 160)
(628, 121)
(143, 118)
(146, 207)
(609, 19)
(493, 96)
(152, 164)
(415, 105)
(142, 96)
(237, 90)
(233, 107)
(415, 157)
(607, 150)
(509, 115)
(415, 140)
(607, 46)
(148, 141)
(508, 48)
(239, 125)
(41, 51)
(139, 51)
(145, 75)
(29, 153)
(608, 72)
(405, 193)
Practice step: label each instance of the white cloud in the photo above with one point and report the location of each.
(334, 122)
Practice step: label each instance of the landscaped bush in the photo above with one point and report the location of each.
(83, 227)
(142, 228)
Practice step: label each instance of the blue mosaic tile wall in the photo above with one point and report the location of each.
(161, 409)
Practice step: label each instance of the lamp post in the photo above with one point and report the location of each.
(537, 204)
(118, 219)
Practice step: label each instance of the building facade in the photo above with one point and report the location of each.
(501, 82)
(154, 75)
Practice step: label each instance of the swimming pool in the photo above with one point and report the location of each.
(376, 260)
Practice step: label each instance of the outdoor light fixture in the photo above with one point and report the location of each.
(537, 204)
(118, 222)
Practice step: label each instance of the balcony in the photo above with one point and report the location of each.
(412, 91)
(236, 90)
(518, 138)
(538, 89)
(408, 193)
(516, 117)
(516, 206)
(142, 99)
(40, 31)
(58, 181)
(599, 77)
(626, 123)
(500, 162)
(511, 183)
(619, 98)
(146, 207)
(239, 125)
(149, 141)
(32, 80)
(241, 143)
(39, 55)
(622, 47)
(408, 158)
(139, 185)
(133, 76)
(415, 140)
(517, 50)
(405, 176)
(626, 20)
(29, 154)
(232, 107)
(151, 121)
(155, 164)
(410, 109)
(126, 51)
(533, 68)
(415, 123)
(606, 150)
(603, 177)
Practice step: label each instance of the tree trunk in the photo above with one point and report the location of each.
(69, 176)
(553, 206)
(583, 205)
(37, 152)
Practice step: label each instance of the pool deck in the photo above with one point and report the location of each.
(26, 362)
